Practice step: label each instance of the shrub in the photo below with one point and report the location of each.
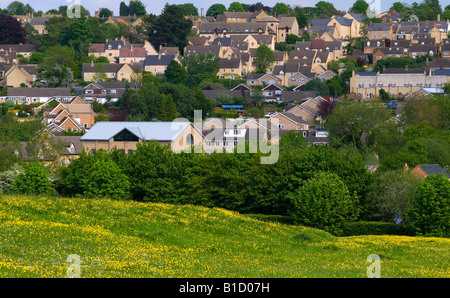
(323, 202)
(376, 228)
(34, 180)
(106, 180)
(429, 212)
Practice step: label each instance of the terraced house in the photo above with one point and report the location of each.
(396, 83)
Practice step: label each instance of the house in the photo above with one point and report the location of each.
(240, 17)
(262, 79)
(157, 64)
(429, 169)
(308, 109)
(396, 83)
(289, 121)
(92, 72)
(221, 29)
(110, 49)
(287, 25)
(37, 95)
(125, 136)
(422, 50)
(75, 116)
(17, 75)
(230, 68)
(227, 135)
(103, 92)
(19, 49)
(377, 31)
(128, 55)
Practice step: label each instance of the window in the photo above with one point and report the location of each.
(189, 139)
(125, 136)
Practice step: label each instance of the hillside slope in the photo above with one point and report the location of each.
(131, 239)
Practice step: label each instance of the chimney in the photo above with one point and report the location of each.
(202, 12)
(406, 67)
(159, 52)
(439, 17)
(92, 62)
(405, 168)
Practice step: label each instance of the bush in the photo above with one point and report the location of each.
(323, 202)
(34, 180)
(429, 212)
(376, 228)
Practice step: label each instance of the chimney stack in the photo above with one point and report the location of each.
(92, 62)
(159, 52)
(405, 168)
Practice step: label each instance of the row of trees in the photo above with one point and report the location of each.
(317, 186)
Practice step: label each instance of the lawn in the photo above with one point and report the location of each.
(131, 239)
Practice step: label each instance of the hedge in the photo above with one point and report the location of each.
(376, 228)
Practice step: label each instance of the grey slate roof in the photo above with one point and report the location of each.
(319, 22)
(433, 169)
(158, 60)
(146, 131)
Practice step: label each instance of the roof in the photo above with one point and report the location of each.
(38, 92)
(146, 131)
(107, 67)
(442, 72)
(158, 60)
(320, 22)
(433, 169)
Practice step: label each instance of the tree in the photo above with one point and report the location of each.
(124, 10)
(429, 212)
(12, 31)
(323, 202)
(106, 180)
(105, 13)
(318, 86)
(188, 9)
(264, 58)
(360, 6)
(176, 73)
(17, 8)
(391, 194)
(137, 8)
(78, 36)
(397, 6)
(216, 9)
(280, 9)
(172, 27)
(350, 122)
(236, 7)
(34, 180)
(200, 66)
(325, 9)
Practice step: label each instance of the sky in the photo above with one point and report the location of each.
(155, 7)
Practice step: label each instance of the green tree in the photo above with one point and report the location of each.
(176, 73)
(16, 8)
(323, 202)
(236, 7)
(280, 9)
(34, 180)
(429, 212)
(360, 6)
(124, 10)
(188, 9)
(391, 194)
(325, 9)
(351, 122)
(105, 13)
(216, 9)
(264, 58)
(199, 67)
(397, 6)
(172, 27)
(106, 180)
(136, 7)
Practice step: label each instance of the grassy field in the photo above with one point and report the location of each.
(130, 239)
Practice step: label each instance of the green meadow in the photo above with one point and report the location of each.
(126, 239)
